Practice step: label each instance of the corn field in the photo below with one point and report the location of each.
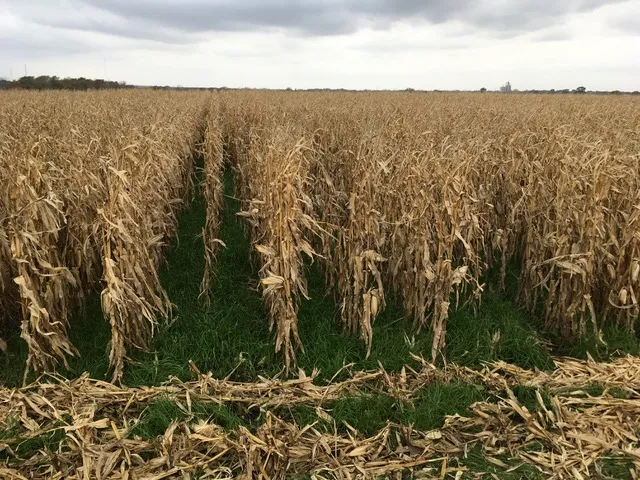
(415, 197)
(94, 185)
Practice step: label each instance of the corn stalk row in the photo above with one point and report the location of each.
(93, 186)
(420, 196)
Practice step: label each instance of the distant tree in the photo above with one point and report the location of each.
(26, 82)
(45, 82)
(483, 90)
(581, 90)
(635, 92)
(55, 83)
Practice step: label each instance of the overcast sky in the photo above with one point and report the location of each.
(376, 44)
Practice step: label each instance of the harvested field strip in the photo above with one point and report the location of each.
(565, 434)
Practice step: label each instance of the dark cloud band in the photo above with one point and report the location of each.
(179, 22)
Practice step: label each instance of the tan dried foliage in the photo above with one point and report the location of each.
(419, 194)
(147, 176)
(411, 195)
(569, 438)
(272, 160)
(93, 184)
(212, 191)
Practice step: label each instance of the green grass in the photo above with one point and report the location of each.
(228, 417)
(617, 342)
(368, 413)
(498, 331)
(599, 390)
(156, 418)
(616, 468)
(11, 428)
(481, 468)
(439, 400)
(528, 398)
(25, 448)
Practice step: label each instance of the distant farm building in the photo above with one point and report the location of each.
(506, 88)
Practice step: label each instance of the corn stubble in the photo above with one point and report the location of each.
(566, 435)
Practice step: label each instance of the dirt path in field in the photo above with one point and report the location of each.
(585, 420)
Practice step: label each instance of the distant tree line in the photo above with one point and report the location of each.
(576, 90)
(579, 90)
(46, 82)
(200, 89)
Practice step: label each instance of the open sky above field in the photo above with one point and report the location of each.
(376, 44)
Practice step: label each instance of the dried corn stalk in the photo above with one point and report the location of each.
(148, 175)
(42, 279)
(282, 210)
(212, 190)
(349, 203)
(272, 161)
(442, 187)
(56, 156)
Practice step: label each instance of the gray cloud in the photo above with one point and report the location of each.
(552, 36)
(124, 28)
(311, 17)
(629, 25)
(511, 19)
(25, 47)
(175, 21)
(317, 17)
